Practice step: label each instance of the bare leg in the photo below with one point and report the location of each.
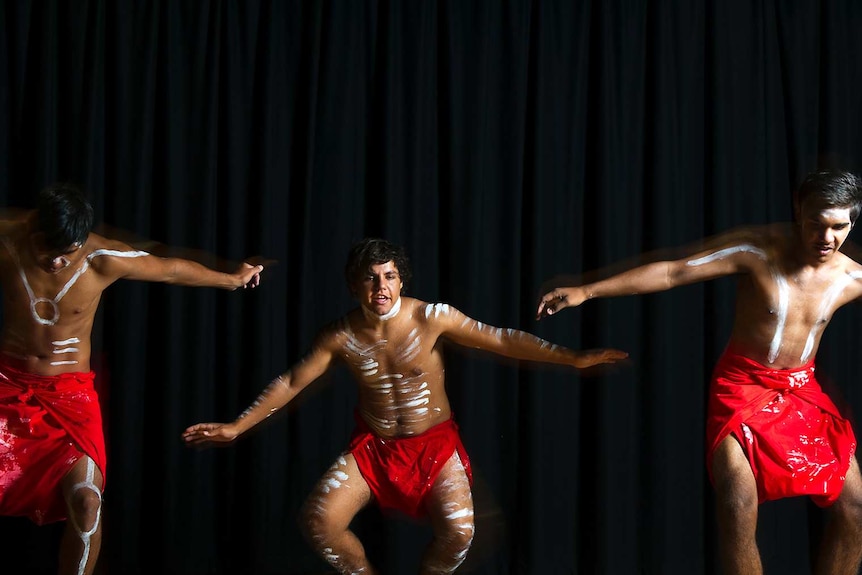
(736, 508)
(82, 537)
(450, 507)
(841, 548)
(325, 519)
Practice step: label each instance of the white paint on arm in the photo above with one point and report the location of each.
(721, 254)
(264, 395)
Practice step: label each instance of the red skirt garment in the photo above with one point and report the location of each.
(400, 472)
(793, 435)
(47, 423)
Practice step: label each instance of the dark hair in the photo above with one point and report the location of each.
(371, 251)
(65, 216)
(833, 189)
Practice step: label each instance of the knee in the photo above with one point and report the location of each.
(459, 535)
(737, 499)
(85, 506)
(848, 509)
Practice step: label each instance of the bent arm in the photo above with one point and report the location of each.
(274, 397)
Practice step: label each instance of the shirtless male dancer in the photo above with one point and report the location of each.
(771, 431)
(53, 271)
(406, 452)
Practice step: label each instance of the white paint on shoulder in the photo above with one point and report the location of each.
(721, 254)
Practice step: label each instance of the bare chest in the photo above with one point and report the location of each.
(379, 358)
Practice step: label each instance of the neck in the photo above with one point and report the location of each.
(396, 307)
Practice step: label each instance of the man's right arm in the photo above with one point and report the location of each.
(724, 258)
(274, 396)
(169, 270)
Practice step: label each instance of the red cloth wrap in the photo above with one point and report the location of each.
(45, 424)
(791, 432)
(400, 472)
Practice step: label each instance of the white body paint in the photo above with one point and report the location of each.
(85, 265)
(62, 350)
(780, 281)
(396, 307)
(85, 536)
(410, 403)
(828, 301)
(278, 381)
(721, 254)
(784, 293)
(781, 317)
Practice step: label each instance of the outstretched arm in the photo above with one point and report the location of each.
(513, 343)
(178, 271)
(118, 260)
(725, 258)
(274, 396)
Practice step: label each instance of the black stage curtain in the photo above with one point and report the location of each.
(503, 143)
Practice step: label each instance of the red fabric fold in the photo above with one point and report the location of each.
(794, 437)
(400, 472)
(46, 422)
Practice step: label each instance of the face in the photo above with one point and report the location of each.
(380, 288)
(54, 261)
(823, 230)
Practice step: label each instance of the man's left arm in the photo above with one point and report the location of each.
(513, 343)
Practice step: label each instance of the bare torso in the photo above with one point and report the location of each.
(48, 317)
(399, 368)
(782, 308)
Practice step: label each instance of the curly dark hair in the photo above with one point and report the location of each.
(372, 251)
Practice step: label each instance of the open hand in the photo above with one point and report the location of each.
(209, 433)
(591, 357)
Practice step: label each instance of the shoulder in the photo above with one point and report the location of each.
(754, 239)
(848, 265)
(14, 227)
(102, 251)
(747, 245)
(333, 334)
(437, 313)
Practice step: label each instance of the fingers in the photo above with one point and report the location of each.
(611, 356)
(198, 432)
(254, 280)
(617, 355)
(549, 304)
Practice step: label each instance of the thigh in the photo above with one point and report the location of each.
(84, 474)
(851, 493)
(339, 494)
(450, 502)
(731, 470)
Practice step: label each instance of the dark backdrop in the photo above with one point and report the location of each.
(503, 143)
